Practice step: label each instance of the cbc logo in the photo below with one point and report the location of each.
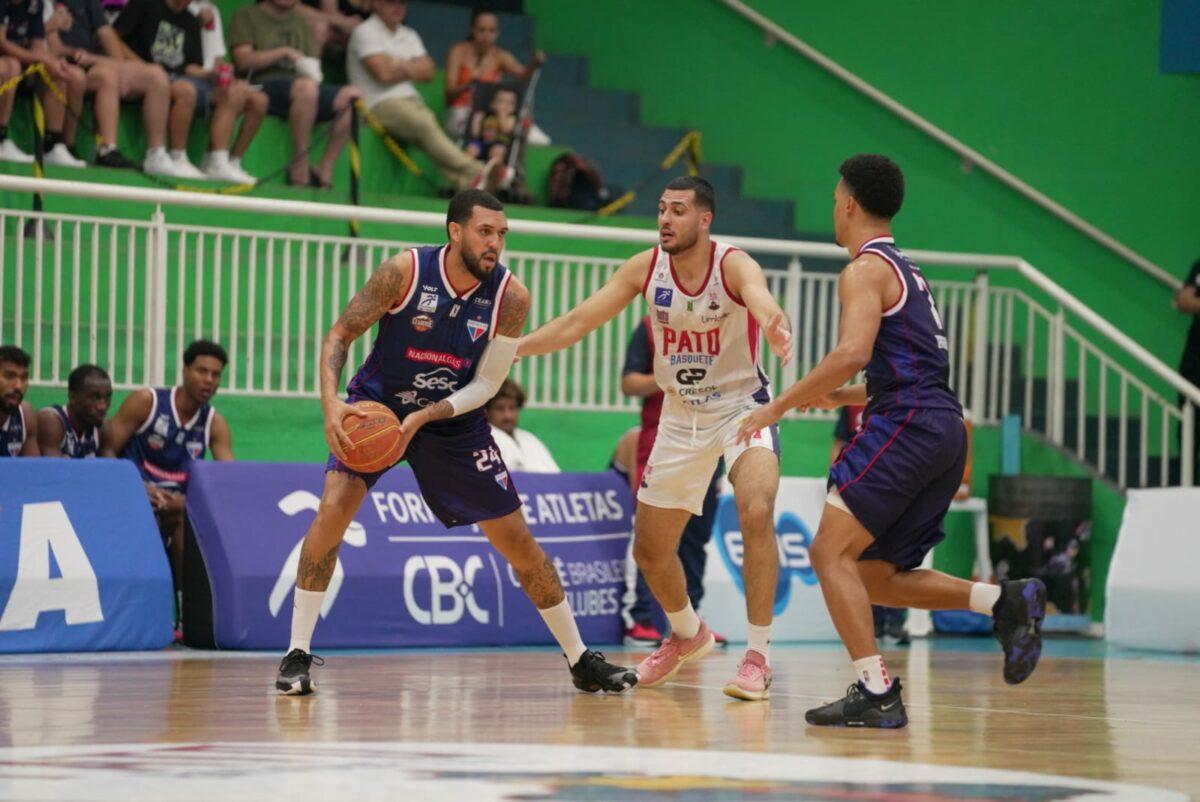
(451, 589)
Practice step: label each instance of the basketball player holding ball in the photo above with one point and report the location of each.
(449, 318)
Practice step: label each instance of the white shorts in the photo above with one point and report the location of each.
(683, 459)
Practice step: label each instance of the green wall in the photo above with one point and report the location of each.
(1066, 95)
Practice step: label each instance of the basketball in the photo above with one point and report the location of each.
(375, 439)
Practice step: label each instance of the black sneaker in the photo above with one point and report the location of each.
(861, 708)
(1017, 621)
(593, 673)
(114, 158)
(293, 679)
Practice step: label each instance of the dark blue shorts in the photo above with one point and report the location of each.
(458, 470)
(898, 476)
(279, 97)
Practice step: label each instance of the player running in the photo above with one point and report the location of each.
(890, 488)
(708, 303)
(449, 318)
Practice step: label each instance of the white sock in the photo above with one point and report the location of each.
(984, 597)
(305, 609)
(873, 673)
(684, 623)
(218, 157)
(760, 641)
(561, 623)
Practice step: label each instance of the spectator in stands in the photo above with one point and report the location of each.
(492, 133)
(889, 621)
(23, 38)
(624, 458)
(479, 60)
(385, 57)
(520, 449)
(331, 22)
(165, 32)
(272, 44)
(79, 429)
(18, 424)
(9, 151)
(637, 381)
(162, 430)
(90, 42)
(1186, 301)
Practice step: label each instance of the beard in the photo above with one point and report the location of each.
(472, 263)
(680, 244)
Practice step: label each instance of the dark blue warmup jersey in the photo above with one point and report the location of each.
(77, 445)
(164, 446)
(13, 433)
(900, 471)
(428, 346)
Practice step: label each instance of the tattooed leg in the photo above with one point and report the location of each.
(340, 500)
(536, 573)
(541, 584)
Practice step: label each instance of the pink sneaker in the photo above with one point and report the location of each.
(667, 659)
(752, 682)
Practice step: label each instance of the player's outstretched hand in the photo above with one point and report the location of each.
(336, 410)
(779, 338)
(755, 422)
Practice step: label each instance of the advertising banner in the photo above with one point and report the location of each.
(402, 578)
(82, 566)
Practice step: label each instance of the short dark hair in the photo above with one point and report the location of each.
(479, 11)
(875, 182)
(205, 348)
(463, 204)
(15, 355)
(510, 389)
(706, 196)
(81, 374)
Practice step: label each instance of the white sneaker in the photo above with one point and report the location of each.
(9, 152)
(184, 168)
(157, 162)
(59, 155)
(219, 169)
(236, 163)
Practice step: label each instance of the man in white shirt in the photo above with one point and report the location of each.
(521, 450)
(383, 60)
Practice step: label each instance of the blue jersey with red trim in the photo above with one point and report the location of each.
(910, 361)
(76, 444)
(429, 344)
(13, 433)
(164, 446)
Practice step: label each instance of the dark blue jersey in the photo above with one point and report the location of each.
(910, 364)
(13, 433)
(164, 446)
(76, 444)
(430, 343)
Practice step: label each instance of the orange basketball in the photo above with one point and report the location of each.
(375, 439)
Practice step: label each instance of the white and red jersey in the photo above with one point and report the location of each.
(706, 343)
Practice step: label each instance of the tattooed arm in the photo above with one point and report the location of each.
(494, 365)
(386, 286)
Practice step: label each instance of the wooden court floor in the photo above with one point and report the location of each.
(506, 724)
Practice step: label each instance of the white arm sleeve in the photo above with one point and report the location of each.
(493, 367)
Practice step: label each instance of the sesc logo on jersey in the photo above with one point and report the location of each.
(476, 329)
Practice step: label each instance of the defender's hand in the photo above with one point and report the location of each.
(779, 338)
(755, 422)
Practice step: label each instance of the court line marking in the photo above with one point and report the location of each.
(483, 539)
(926, 706)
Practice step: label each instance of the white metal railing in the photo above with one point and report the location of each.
(129, 295)
(969, 154)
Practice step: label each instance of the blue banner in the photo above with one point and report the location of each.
(402, 578)
(82, 566)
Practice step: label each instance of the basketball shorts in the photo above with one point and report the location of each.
(458, 469)
(686, 452)
(897, 476)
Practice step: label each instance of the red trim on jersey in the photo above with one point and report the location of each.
(879, 453)
(894, 308)
(408, 293)
(650, 272)
(752, 333)
(733, 297)
(679, 284)
(887, 240)
(504, 282)
(446, 276)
